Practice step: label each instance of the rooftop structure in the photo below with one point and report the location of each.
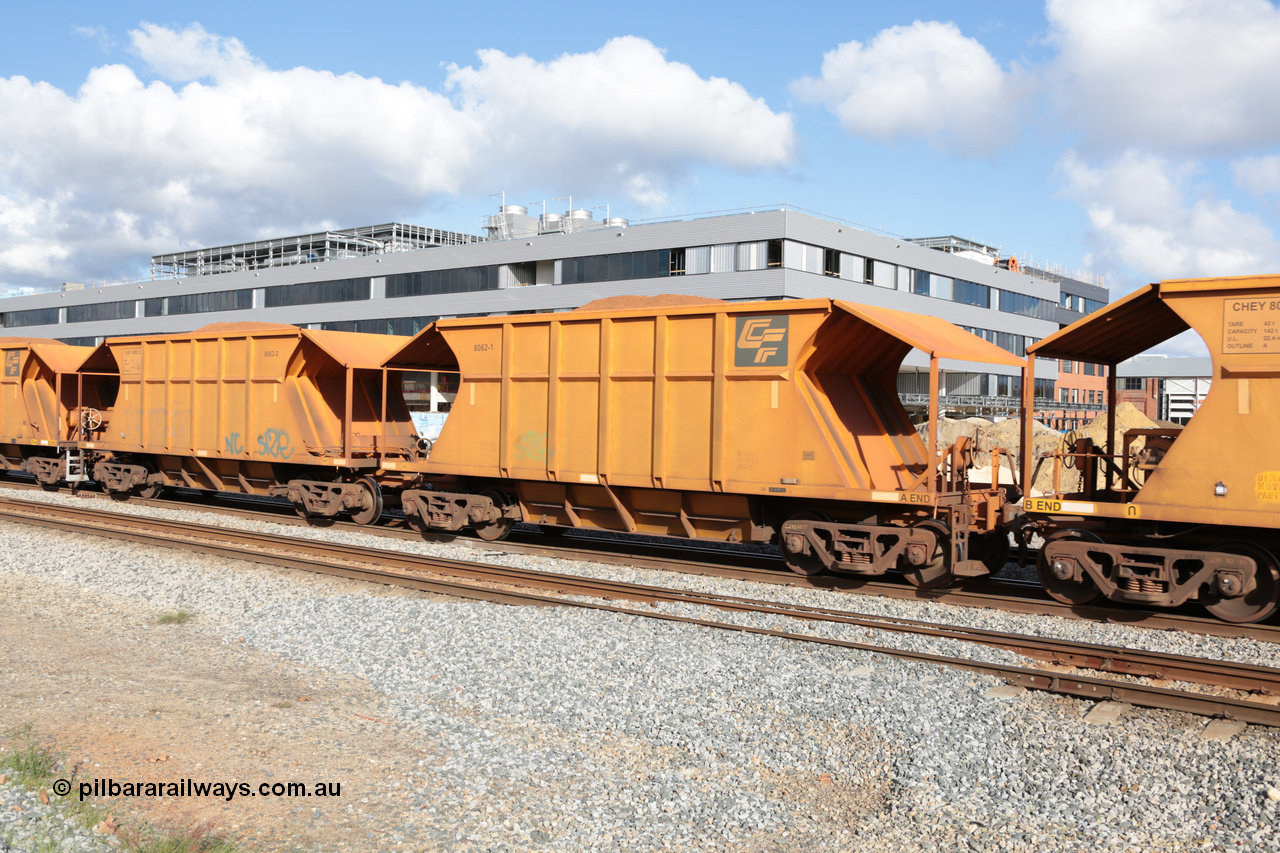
(305, 249)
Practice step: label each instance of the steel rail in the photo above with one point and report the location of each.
(334, 559)
(1013, 596)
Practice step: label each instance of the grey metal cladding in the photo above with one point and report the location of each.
(834, 235)
(1165, 368)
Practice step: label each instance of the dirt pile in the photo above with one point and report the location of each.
(1007, 435)
(1127, 417)
(662, 300)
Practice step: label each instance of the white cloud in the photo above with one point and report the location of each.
(614, 97)
(192, 53)
(1145, 228)
(122, 169)
(1258, 175)
(1177, 76)
(923, 80)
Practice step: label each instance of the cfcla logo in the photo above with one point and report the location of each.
(762, 342)
(12, 359)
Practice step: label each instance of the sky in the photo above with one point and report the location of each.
(1135, 141)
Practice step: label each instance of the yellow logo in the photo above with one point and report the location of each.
(762, 342)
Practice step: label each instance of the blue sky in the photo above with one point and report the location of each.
(1137, 140)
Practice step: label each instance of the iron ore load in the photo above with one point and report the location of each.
(771, 422)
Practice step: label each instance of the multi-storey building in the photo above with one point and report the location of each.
(395, 279)
(1164, 389)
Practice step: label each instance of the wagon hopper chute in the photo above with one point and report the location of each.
(751, 422)
(1192, 515)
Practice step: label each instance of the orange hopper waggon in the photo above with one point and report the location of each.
(40, 407)
(251, 408)
(1190, 514)
(768, 422)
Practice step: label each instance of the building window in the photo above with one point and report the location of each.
(802, 257)
(886, 275)
(1135, 383)
(1067, 366)
(697, 261)
(1090, 369)
(1016, 344)
(404, 326)
(1027, 306)
(1044, 389)
(200, 303)
(33, 317)
(775, 253)
(972, 294)
(752, 256)
(433, 282)
(314, 292)
(1064, 395)
(675, 265)
(102, 311)
(1075, 395)
(831, 262)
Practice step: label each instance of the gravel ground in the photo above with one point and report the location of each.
(579, 730)
(28, 824)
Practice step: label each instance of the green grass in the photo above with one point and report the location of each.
(197, 839)
(33, 765)
(174, 617)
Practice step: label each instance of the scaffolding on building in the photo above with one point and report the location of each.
(306, 249)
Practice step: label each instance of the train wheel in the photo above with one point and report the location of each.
(1256, 604)
(370, 502)
(991, 548)
(1068, 591)
(492, 531)
(936, 572)
(150, 491)
(810, 563)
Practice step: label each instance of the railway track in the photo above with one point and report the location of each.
(1014, 596)
(506, 585)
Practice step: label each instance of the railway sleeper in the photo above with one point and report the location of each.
(1162, 577)
(452, 511)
